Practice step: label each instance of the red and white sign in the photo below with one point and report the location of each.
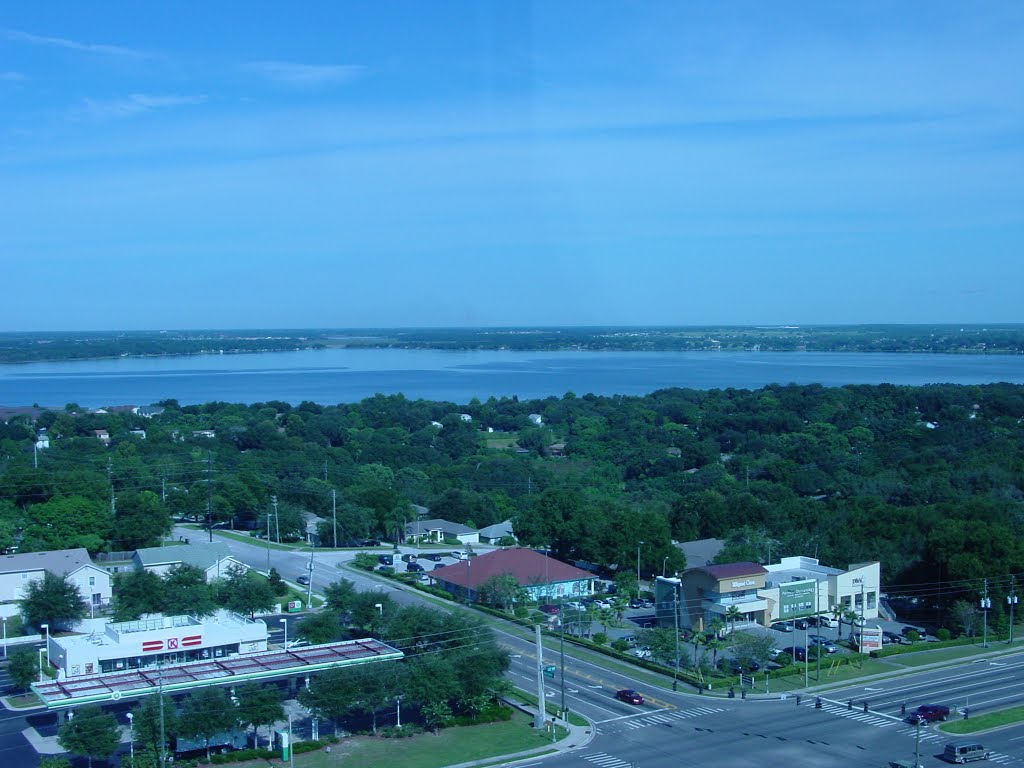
(152, 645)
(172, 644)
(191, 640)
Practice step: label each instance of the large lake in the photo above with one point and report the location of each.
(339, 375)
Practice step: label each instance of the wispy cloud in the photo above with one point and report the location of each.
(11, 76)
(306, 75)
(74, 45)
(135, 104)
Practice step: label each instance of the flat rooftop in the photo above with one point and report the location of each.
(113, 686)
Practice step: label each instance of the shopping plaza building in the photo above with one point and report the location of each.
(748, 593)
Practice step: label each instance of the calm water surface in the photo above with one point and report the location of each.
(340, 376)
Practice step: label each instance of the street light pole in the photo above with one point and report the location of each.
(986, 603)
(41, 664)
(285, 623)
(638, 545)
(398, 712)
(561, 649)
(379, 607)
(664, 564)
(131, 737)
(5, 632)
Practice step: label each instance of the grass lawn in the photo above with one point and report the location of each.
(24, 701)
(243, 537)
(939, 654)
(499, 441)
(451, 745)
(985, 722)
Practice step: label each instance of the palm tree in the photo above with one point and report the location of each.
(715, 644)
(732, 615)
(839, 613)
(851, 616)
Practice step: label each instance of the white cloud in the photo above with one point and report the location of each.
(135, 104)
(306, 75)
(74, 45)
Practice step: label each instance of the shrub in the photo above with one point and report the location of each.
(620, 645)
(912, 636)
(943, 634)
(600, 638)
(520, 611)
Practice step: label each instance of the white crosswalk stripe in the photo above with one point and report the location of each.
(666, 717)
(606, 761)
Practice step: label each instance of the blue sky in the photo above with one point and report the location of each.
(339, 164)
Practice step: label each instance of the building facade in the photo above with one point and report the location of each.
(18, 571)
(126, 645)
(700, 596)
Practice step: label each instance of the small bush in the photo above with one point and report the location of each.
(943, 634)
(520, 611)
(620, 645)
(601, 638)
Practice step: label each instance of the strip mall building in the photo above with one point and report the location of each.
(749, 593)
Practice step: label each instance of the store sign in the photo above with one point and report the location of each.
(796, 599)
(747, 583)
(870, 639)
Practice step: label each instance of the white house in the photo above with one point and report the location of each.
(436, 531)
(18, 571)
(213, 559)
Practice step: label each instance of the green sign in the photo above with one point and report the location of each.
(294, 606)
(796, 599)
(549, 670)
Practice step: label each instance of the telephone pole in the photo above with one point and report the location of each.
(334, 514)
(986, 603)
(277, 520)
(209, 496)
(538, 721)
(1011, 600)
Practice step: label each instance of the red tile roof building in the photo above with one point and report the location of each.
(542, 576)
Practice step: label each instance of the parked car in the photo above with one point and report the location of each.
(636, 602)
(798, 652)
(439, 565)
(414, 566)
(370, 543)
(801, 624)
(825, 621)
(386, 559)
(459, 555)
(648, 603)
(642, 653)
(907, 630)
(742, 667)
(603, 602)
(629, 696)
(408, 558)
(548, 608)
(928, 713)
(782, 626)
(432, 556)
(303, 580)
(891, 637)
(576, 605)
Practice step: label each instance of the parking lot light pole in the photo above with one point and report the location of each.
(284, 623)
(131, 736)
(638, 545)
(1011, 600)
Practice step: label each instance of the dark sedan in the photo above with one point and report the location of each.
(433, 557)
(551, 609)
(629, 696)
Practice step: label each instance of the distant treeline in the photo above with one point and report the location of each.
(950, 339)
(49, 347)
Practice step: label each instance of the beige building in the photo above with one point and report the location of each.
(729, 592)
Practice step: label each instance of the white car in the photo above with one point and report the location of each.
(459, 555)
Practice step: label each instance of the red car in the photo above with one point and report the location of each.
(552, 609)
(928, 713)
(629, 696)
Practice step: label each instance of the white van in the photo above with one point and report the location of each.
(826, 621)
(965, 752)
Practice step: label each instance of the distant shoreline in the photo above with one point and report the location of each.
(891, 339)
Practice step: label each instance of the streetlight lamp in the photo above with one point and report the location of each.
(398, 712)
(131, 737)
(41, 664)
(638, 545)
(664, 564)
(285, 623)
(379, 607)
(5, 635)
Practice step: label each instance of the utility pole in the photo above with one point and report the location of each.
(277, 520)
(561, 649)
(1011, 600)
(209, 496)
(538, 721)
(675, 622)
(309, 587)
(113, 498)
(334, 514)
(817, 655)
(160, 693)
(986, 603)
(163, 489)
(274, 500)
